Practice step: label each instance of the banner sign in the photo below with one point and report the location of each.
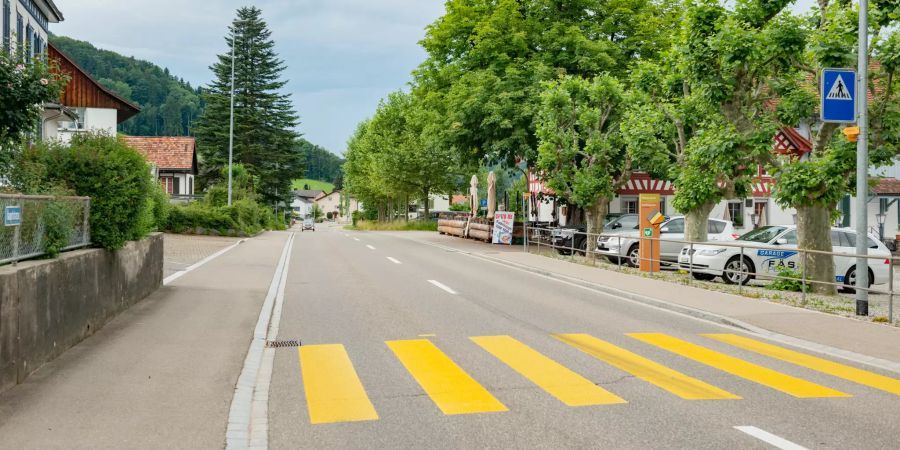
(503, 227)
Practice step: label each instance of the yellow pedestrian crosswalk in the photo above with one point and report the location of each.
(334, 392)
(450, 387)
(762, 375)
(560, 382)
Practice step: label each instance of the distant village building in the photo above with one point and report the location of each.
(331, 203)
(174, 160)
(303, 201)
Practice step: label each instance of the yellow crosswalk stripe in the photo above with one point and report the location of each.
(738, 367)
(450, 387)
(849, 373)
(560, 382)
(673, 381)
(333, 390)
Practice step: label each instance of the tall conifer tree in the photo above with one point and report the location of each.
(264, 117)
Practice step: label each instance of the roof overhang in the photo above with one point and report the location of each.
(54, 15)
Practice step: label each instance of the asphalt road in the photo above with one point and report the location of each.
(406, 345)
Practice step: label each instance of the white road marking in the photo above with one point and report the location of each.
(770, 438)
(356, 239)
(393, 260)
(248, 415)
(370, 247)
(203, 261)
(442, 286)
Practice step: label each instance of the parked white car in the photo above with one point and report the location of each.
(712, 261)
(626, 245)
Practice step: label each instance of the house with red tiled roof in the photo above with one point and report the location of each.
(174, 159)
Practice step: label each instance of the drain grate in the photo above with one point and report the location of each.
(283, 343)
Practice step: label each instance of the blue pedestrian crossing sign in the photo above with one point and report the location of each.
(838, 95)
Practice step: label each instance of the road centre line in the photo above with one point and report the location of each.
(769, 438)
(442, 286)
(356, 239)
(393, 260)
(370, 247)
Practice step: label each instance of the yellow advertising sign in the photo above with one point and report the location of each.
(649, 198)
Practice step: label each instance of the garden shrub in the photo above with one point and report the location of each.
(789, 280)
(114, 175)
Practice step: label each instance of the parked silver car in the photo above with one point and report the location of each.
(625, 246)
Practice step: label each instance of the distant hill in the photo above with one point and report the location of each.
(321, 164)
(169, 106)
(313, 185)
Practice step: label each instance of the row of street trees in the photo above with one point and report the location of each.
(691, 91)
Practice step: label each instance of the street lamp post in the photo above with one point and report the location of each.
(881, 218)
(862, 160)
(231, 125)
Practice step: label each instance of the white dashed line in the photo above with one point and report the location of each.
(370, 247)
(393, 260)
(770, 438)
(442, 286)
(356, 239)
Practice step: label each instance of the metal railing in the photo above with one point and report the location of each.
(26, 219)
(572, 243)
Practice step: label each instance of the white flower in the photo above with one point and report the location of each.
(20, 67)
(44, 81)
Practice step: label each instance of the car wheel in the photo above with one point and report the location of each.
(850, 280)
(703, 276)
(738, 271)
(634, 256)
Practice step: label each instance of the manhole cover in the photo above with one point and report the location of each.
(283, 343)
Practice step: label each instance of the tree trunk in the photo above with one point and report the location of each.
(814, 233)
(406, 209)
(594, 216)
(696, 223)
(427, 212)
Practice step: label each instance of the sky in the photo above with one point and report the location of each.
(342, 56)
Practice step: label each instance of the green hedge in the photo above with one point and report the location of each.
(124, 203)
(244, 217)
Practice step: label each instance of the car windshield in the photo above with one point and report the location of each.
(626, 222)
(763, 234)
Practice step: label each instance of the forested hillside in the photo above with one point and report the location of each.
(321, 164)
(169, 106)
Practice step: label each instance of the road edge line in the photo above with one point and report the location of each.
(238, 430)
(169, 279)
(769, 438)
(687, 311)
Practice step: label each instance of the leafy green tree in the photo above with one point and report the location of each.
(320, 164)
(581, 154)
(488, 59)
(814, 185)
(264, 119)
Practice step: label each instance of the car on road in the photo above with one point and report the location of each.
(626, 246)
(779, 251)
(308, 224)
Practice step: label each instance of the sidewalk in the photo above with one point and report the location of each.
(864, 338)
(161, 375)
(181, 250)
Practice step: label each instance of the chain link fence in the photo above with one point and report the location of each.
(28, 219)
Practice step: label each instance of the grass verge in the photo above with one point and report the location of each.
(417, 225)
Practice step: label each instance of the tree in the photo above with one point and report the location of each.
(580, 153)
(316, 212)
(814, 185)
(26, 87)
(488, 59)
(391, 157)
(264, 119)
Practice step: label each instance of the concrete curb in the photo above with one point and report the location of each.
(878, 363)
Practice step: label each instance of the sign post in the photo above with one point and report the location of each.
(503, 227)
(862, 161)
(649, 250)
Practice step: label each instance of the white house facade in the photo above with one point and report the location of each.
(25, 24)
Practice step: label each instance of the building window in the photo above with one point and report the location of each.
(6, 30)
(176, 185)
(736, 212)
(629, 205)
(167, 184)
(29, 42)
(190, 185)
(20, 30)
